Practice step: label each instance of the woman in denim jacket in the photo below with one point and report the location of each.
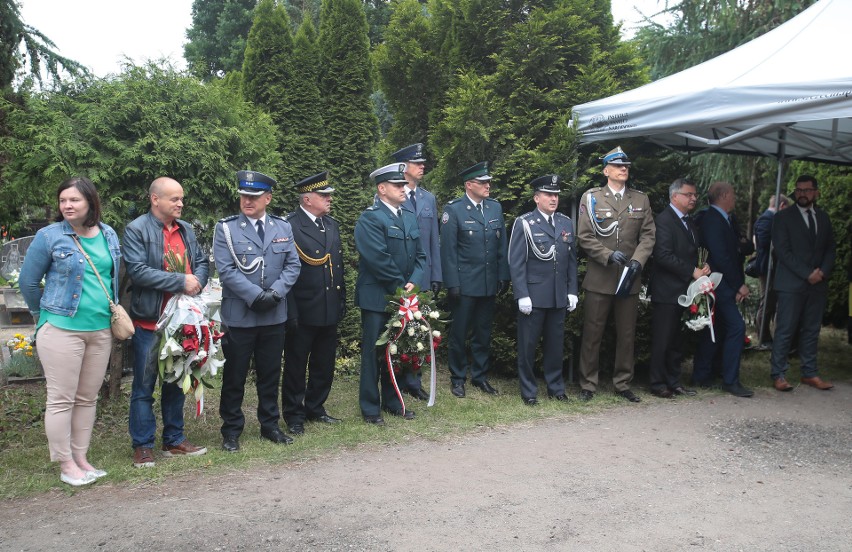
(72, 316)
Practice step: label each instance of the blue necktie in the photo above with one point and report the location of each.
(260, 233)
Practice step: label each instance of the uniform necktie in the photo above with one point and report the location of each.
(479, 208)
(811, 225)
(399, 213)
(550, 220)
(617, 198)
(260, 233)
(318, 220)
(413, 201)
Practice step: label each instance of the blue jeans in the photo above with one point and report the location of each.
(143, 424)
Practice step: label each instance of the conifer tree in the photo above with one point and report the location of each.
(267, 76)
(307, 139)
(217, 38)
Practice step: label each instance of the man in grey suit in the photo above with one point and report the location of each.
(258, 264)
(422, 203)
(804, 243)
(543, 265)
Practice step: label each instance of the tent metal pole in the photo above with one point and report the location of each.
(782, 135)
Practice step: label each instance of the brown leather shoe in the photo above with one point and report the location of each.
(817, 382)
(143, 457)
(184, 449)
(782, 385)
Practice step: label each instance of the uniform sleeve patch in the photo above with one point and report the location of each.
(445, 218)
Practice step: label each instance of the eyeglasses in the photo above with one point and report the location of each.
(688, 194)
(805, 190)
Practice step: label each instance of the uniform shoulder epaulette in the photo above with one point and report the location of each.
(290, 215)
(372, 208)
(491, 199)
(595, 189)
(637, 191)
(529, 215)
(229, 219)
(563, 215)
(332, 218)
(279, 217)
(450, 202)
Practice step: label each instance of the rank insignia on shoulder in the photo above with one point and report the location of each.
(228, 219)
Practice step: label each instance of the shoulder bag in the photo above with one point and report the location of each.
(120, 322)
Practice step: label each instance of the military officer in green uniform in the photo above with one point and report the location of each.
(388, 241)
(615, 227)
(475, 269)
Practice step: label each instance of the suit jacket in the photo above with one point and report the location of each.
(390, 255)
(635, 236)
(279, 270)
(546, 283)
(474, 247)
(797, 254)
(675, 256)
(427, 220)
(318, 298)
(722, 243)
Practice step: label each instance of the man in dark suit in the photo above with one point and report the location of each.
(258, 264)
(543, 265)
(388, 241)
(314, 307)
(721, 239)
(473, 258)
(675, 266)
(804, 243)
(422, 203)
(763, 244)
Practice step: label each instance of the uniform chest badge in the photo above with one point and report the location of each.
(630, 208)
(609, 214)
(565, 236)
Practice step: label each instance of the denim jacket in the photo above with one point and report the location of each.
(54, 256)
(143, 257)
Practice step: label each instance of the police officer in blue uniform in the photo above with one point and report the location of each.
(543, 265)
(473, 258)
(258, 264)
(422, 203)
(388, 241)
(315, 305)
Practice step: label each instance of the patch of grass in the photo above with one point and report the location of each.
(25, 468)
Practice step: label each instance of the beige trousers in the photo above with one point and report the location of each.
(74, 367)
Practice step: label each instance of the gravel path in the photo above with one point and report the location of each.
(712, 473)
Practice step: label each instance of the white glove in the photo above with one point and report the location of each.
(572, 302)
(525, 305)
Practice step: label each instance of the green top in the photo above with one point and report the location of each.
(93, 312)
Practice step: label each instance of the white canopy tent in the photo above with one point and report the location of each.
(786, 94)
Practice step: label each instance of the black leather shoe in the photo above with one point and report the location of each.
(629, 395)
(736, 389)
(276, 436)
(681, 390)
(458, 390)
(296, 429)
(485, 387)
(408, 414)
(418, 394)
(532, 401)
(559, 397)
(326, 419)
(375, 420)
(586, 395)
(231, 443)
(663, 393)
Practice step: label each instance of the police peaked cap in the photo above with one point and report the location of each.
(254, 183)
(412, 153)
(547, 183)
(393, 173)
